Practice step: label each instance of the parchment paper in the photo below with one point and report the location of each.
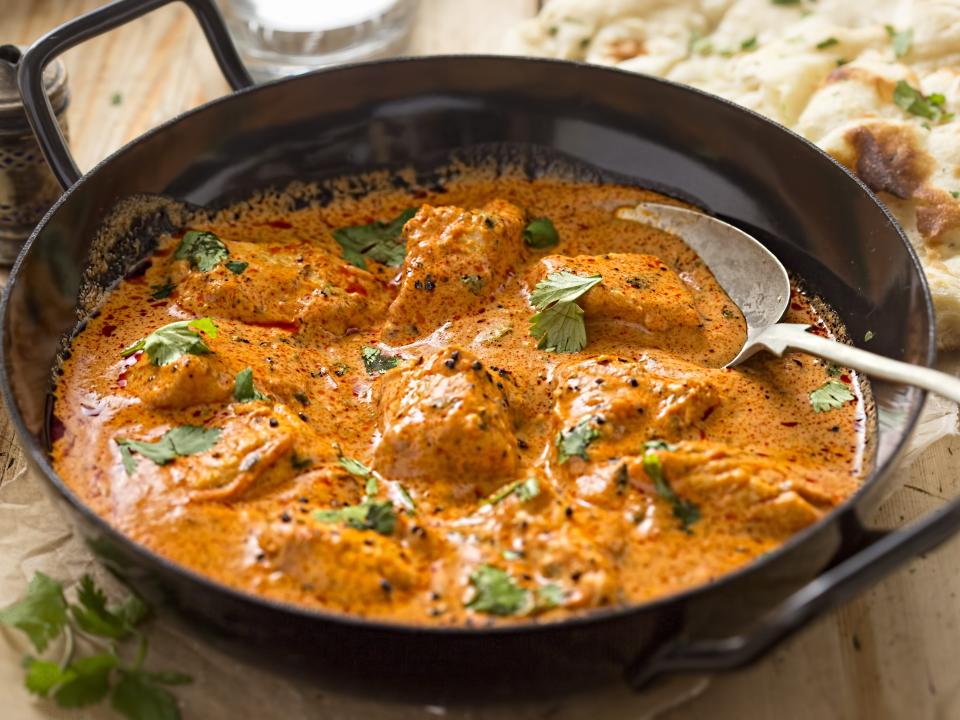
(34, 536)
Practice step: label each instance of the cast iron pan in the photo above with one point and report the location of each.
(826, 225)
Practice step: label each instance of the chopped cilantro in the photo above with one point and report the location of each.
(868, 336)
(495, 592)
(379, 241)
(574, 442)
(116, 99)
(915, 102)
(523, 489)
(341, 369)
(834, 370)
(162, 291)
(826, 43)
(375, 362)
(406, 499)
(473, 283)
(901, 41)
(540, 233)
(831, 395)
(203, 249)
(685, 511)
(236, 266)
(749, 44)
(955, 193)
(176, 442)
(171, 342)
(368, 515)
(786, 2)
(550, 595)
(244, 389)
(558, 324)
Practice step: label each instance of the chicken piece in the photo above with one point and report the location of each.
(321, 293)
(349, 569)
(638, 289)
(252, 454)
(446, 425)
(742, 492)
(188, 381)
(455, 258)
(608, 407)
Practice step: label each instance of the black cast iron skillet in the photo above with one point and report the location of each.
(822, 222)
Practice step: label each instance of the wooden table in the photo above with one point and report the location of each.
(892, 653)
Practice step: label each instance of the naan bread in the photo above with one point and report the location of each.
(827, 69)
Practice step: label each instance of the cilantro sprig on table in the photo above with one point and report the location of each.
(379, 241)
(81, 678)
(558, 324)
(169, 343)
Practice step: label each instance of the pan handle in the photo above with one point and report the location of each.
(875, 554)
(30, 74)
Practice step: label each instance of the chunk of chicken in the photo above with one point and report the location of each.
(315, 290)
(455, 258)
(188, 381)
(621, 404)
(638, 289)
(446, 425)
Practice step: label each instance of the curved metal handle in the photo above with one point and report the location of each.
(30, 74)
(782, 336)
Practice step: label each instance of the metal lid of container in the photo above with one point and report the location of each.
(13, 121)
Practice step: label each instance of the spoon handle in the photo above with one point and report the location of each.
(778, 338)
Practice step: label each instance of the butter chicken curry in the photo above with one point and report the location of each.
(484, 402)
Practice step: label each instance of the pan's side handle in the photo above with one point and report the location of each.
(30, 73)
(878, 554)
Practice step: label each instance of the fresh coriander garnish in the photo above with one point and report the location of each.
(375, 362)
(749, 44)
(357, 468)
(550, 595)
(162, 291)
(955, 194)
(786, 2)
(368, 515)
(834, 370)
(915, 102)
(340, 369)
(82, 680)
(558, 324)
(523, 489)
(244, 389)
(831, 395)
(900, 40)
(827, 42)
(406, 499)
(574, 442)
(203, 249)
(473, 283)
(868, 336)
(685, 511)
(540, 233)
(495, 592)
(171, 342)
(379, 241)
(236, 266)
(176, 442)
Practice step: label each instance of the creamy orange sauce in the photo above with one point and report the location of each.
(471, 407)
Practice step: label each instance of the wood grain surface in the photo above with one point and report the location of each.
(894, 652)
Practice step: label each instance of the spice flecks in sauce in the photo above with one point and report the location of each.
(471, 420)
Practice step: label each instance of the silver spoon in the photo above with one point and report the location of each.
(755, 280)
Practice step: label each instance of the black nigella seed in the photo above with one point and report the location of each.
(386, 586)
(274, 422)
(418, 285)
(285, 516)
(522, 444)
(430, 284)
(477, 365)
(303, 416)
(568, 512)
(633, 382)
(304, 499)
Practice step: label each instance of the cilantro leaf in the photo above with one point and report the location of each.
(138, 697)
(379, 241)
(406, 500)
(42, 614)
(370, 515)
(42, 676)
(901, 41)
(473, 283)
(243, 388)
(171, 342)
(375, 362)
(540, 233)
(831, 395)
(550, 595)
(93, 616)
(560, 287)
(574, 442)
(915, 102)
(523, 489)
(236, 266)
(495, 592)
(749, 44)
(203, 249)
(355, 467)
(176, 442)
(85, 681)
(685, 511)
(162, 291)
(827, 42)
